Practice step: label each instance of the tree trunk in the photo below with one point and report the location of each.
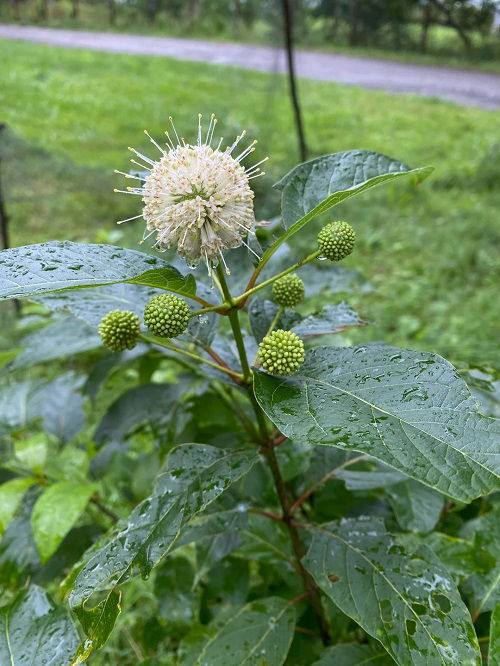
(453, 23)
(288, 25)
(16, 10)
(424, 27)
(354, 23)
(43, 10)
(75, 9)
(111, 12)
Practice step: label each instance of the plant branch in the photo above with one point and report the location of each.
(195, 357)
(268, 448)
(238, 413)
(251, 289)
(298, 546)
(103, 509)
(321, 481)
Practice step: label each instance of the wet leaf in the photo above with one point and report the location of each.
(415, 506)
(259, 633)
(178, 602)
(408, 409)
(34, 631)
(196, 476)
(408, 603)
(32, 452)
(262, 312)
(61, 406)
(91, 305)
(354, 654)
(56, 511)
(313, 187)
(461, 558)
(11, 494)
(494, 649)
(38, 269)
(151, 403)
(212, 525)
(330, 319)
(97, 623)
(483, 589)
(64, 337)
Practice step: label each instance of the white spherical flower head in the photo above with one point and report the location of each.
(198, 197)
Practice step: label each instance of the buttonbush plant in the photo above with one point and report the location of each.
(216, 478)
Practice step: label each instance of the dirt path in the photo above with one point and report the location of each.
(470, 88)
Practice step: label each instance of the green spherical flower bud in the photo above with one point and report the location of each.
(281, 352)
(336, 240)
(167, 315)
(288, 291)
(120, 330)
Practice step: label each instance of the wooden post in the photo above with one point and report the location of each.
(4, 220)
(292, 83)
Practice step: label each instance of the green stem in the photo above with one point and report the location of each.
(200, 359)
(238, 337)
(212, 308)
(276, 319)
(250, 287)
(281, 489)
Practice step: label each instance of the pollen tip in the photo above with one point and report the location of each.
(115, 190)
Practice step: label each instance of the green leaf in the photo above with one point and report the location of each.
(381, 478)
(177, 601)
(408, 409)
(19, 403)
(313, 187)
(196, 476)
(354, 654)
(483, 589)
(61, 406)
(56, 511)
(259, 633)
(64, 337)
(494, 649)
(148, 403)
(406, 602)
(33, 631)
(461, 558)
(32, 452)
(97, 623)
(11, 494)
(330, 319)
(90, 305)
(415, 506)
(262, 312)
(212, 525)
(38, 269)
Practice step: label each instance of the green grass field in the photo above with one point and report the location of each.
(431, 252)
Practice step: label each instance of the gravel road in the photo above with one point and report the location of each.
(470, 88)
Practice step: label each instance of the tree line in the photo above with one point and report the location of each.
(395, 24)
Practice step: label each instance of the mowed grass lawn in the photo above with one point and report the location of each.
(431, 253)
